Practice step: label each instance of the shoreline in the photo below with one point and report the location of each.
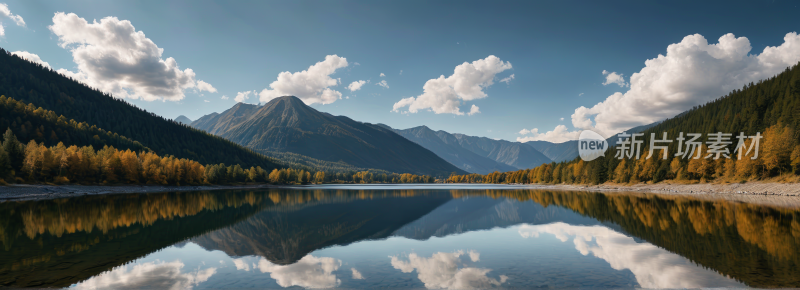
(772, 193)
(24, 192)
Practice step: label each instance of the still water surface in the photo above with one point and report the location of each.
(435, 237)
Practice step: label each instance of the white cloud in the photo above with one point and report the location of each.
(356, 274)
(356, 85)
(444, 94)
(383, 83)
(581, 94)
(558, 135)
(526, 131)
(508, 79)
(561, 119)
(113, 57)
(356, 64)
(614, 78)
(5, 13)
(311, 86)
(652, 266)
(308, 272)
(31, 57)
(383, 75)
(204, 86)
(441, 271)
(207, 101)
(473, 110)
(693, 72)
(243, 96)
(159, 275)
(224, 97)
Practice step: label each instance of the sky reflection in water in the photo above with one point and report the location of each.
(421, 238)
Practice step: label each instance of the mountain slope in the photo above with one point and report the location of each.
(452, 152)
(31, 83)
(510, 153)
(558, 152)
(183, 120)
(286, 124)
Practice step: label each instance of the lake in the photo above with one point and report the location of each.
(397, 236)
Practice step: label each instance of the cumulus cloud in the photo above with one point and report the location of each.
(383, 75)
(204, 86)
(614, 78)
(31, 57)
(308, 272)
(5, 14)
(383, 83)
(224, 97)
(115, 58)
(356, 85)
(692, 72)
(152, 275)
(444, 94)
(558, 135)
(441, 271)
(311, 86)
(652, 266)
(243, 96)
(508, 79)
(473, 110)
(356, 274)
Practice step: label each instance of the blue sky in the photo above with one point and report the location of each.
(557, 51)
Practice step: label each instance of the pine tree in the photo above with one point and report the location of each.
(5, 165)
(14, 149)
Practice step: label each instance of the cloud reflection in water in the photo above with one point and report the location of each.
(152, 275)
(441, 271)
(653, 267)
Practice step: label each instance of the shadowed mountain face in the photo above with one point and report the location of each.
(476, 154)
(448, 148)
(286, 124)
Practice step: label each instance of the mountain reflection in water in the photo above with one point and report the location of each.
(435, 238)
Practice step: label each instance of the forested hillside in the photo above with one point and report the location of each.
(769, 108)
(32, 83)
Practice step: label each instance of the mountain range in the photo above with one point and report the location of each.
(475, 154)
(286, 124)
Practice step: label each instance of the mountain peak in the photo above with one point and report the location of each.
(183, 120)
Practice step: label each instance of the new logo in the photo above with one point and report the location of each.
(591, 145)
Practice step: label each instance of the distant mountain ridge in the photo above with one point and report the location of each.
(183, 120)
(476, 154)
(286, 124)
(448, 148)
